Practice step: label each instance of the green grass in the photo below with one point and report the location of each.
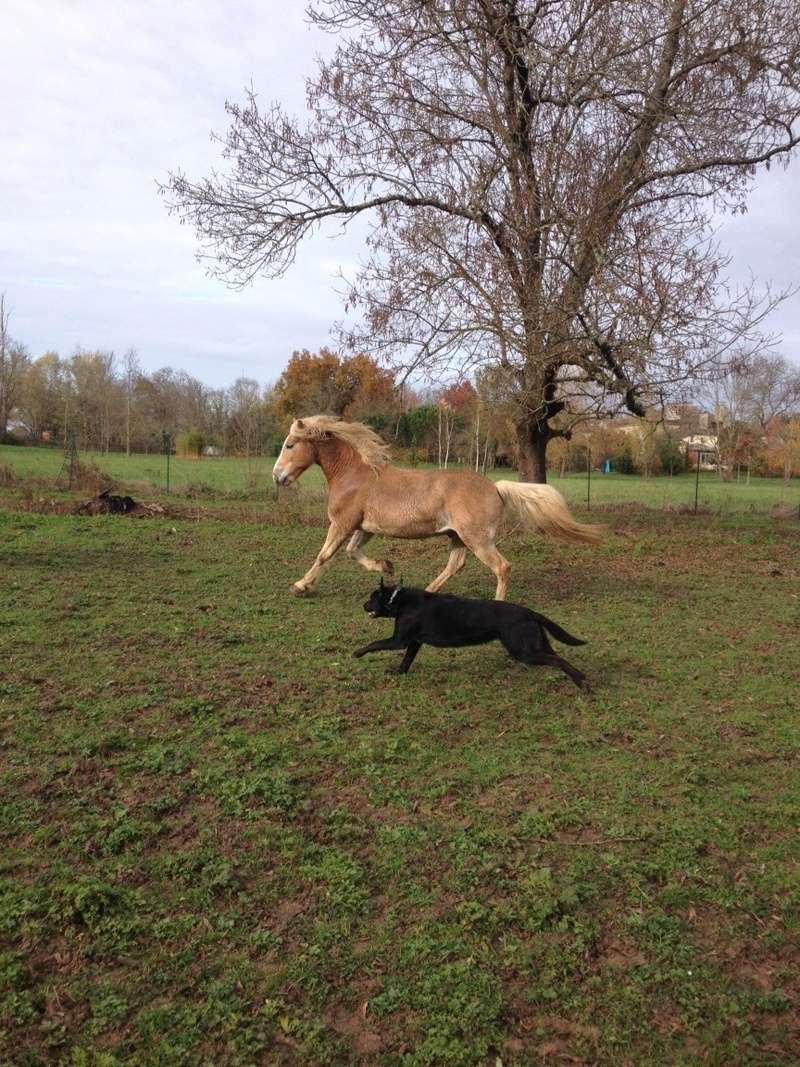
(230, 475)
(224, 841)
(253, 479)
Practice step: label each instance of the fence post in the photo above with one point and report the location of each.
(73, 458)
(166, 442)
(696, 479)
(588, 476)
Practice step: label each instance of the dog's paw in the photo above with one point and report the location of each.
(359, 652)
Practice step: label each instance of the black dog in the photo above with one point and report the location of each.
(423, 618)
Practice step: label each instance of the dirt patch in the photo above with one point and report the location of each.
(355, 1025)
(558, 1034)
(615, 952)
(288, 910)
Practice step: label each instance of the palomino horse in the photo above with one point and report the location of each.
(367, 496)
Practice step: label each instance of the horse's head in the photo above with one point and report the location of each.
(297, 455)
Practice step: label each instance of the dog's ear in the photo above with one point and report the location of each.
(381, 585)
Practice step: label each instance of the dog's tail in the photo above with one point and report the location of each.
(556, 631)
(543, 509)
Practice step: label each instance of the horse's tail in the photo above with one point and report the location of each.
(543, 509)
(557, 631)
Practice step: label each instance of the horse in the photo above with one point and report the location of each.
(368, 496)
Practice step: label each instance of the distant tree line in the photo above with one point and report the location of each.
(109, 403)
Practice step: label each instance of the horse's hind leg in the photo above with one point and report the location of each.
(483, 546)
(360, 538)
(455, 563)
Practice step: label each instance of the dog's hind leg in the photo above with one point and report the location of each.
(552, 659)
(533, 649)
(577, 676)
(458, 557)
(357, 541)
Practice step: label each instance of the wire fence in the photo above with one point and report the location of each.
(692, 492)
(251, 479)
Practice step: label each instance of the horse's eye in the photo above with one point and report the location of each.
(290, 446)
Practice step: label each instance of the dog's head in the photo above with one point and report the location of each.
(383, 602)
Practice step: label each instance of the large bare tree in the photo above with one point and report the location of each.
(538, 176)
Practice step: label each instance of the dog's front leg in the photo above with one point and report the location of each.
(390, 644)
(408, 659)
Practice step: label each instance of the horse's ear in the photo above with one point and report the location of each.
(299, 424)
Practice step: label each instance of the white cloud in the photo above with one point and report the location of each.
(108, 98)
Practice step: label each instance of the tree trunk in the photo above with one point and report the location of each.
(532, 438)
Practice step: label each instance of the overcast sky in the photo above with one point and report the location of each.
(101, 99)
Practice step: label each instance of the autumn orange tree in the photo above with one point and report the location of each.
(539, 177)
(326, 383)
(781, 447)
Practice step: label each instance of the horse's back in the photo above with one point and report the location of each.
(412, 503)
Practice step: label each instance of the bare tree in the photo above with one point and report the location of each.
(753, 400)
(42, 397)
(5, 346)
(539, 178)
(14, 360)
(246, 415)
(132, 369)
(96, 398)
(445, 425)
(773, 389)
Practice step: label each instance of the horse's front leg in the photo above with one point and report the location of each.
(337, 535)
(357, 541)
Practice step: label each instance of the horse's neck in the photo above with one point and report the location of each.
(338, 459)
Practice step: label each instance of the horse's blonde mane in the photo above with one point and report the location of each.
(362, 438)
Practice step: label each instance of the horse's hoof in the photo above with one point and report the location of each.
(388, 567)
(299, 590)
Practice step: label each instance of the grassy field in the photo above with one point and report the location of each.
(224, 841)
(252, 480)
(229, 475)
